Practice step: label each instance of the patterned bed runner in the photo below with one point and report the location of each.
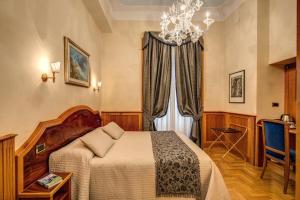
(176, 165)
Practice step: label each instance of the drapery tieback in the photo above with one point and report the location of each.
(197, 117)
(149, 117)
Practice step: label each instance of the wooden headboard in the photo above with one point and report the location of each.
(55, 134)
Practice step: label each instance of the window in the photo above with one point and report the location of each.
(173, 120)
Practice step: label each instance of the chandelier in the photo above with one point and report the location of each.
(176, 25)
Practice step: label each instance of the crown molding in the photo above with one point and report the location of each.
(118, 11)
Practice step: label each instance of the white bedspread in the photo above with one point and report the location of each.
(128, 171)
(75, 158)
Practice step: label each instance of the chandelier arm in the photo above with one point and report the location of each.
(177, 26)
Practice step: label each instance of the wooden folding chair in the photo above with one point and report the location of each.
(226, 132)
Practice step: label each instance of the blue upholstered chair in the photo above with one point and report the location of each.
(277, 147)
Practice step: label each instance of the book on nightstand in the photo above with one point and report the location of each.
(50, 180)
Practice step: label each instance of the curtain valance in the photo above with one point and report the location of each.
(155, 35)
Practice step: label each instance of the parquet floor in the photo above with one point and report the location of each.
(243, 179)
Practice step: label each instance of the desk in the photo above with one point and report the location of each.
(259, 154)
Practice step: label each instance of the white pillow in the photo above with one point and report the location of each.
(113, 130)
(98, 142)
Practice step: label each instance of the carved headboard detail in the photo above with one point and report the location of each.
(55, 134)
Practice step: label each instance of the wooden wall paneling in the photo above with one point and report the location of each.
(211, 120)
(247, 145)
(259, 154)
(251, 139)
(291, 96)
(7, 167)
(203, 130)
(232, 121)
(214, 121)
(224, 119)
(290, 90)
(129, 121)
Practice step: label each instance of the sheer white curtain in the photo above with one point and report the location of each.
(173, 120)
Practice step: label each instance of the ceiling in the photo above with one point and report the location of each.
(207, 3)
(152, 9)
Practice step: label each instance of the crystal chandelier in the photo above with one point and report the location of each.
(176, 25)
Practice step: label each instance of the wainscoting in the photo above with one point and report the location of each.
(224, 119)
(129, 121)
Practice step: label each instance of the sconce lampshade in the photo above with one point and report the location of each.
(55, 67)
(98, 86)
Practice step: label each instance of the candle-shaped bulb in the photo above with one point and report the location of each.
(207, 14)
(164, 16)
(182, 7)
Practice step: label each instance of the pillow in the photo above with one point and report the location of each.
(113, 130)
(98, 142)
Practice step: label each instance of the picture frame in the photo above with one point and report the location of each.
(76, 65)
(237, 87)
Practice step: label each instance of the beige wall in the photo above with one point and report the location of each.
(214, 58)
(240, 30)
(122, 65)
(282, 30)
(270, 79)
(32, 31)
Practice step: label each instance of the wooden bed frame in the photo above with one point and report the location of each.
(53, 134)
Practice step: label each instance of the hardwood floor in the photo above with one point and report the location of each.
(243, 179)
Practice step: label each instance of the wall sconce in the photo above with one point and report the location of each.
(55, 68)
(97, 88)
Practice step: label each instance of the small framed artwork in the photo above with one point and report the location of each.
(77, 66)
(237, 87)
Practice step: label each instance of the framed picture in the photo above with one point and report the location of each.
(77, 67)
(237, 87)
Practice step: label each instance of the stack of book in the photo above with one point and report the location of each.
(50, 180)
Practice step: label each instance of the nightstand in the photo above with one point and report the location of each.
(62, 191)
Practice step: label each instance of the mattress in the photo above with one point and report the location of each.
(128, 171)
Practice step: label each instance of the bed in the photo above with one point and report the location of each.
(127, 171)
